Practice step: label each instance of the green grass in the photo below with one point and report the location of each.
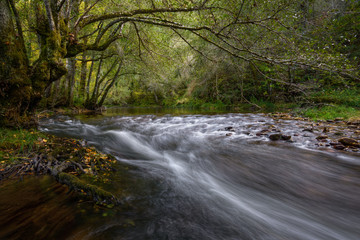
(346, 97)
(331, 112)
(14, 142)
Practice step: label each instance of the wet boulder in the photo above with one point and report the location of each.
(338, 146)
(321, 137)
(285, 137)
(349, 142)
(277, 136)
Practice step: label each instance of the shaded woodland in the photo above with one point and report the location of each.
(88, 53)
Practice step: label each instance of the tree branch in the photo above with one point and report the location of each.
(86, 12)
(192, 47)
(91, 19)
(49, 15)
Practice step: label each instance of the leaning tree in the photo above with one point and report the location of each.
(58, 25)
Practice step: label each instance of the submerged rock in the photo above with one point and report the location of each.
(277, 136)
(262, 132)
(349, 142)
(285, 137)
(321, 137)
(308, 130)
(338, 146)
(231, 129)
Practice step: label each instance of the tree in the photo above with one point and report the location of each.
(23, 82)
(253, 31)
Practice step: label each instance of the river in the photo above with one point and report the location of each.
(209, 176)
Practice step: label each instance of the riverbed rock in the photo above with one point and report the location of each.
(262, 132)
(308, 130)
(285, 137)
(338, 146)
(349, 142)
(321, 137)
(230, 129)
(357, 122)
(277, 136)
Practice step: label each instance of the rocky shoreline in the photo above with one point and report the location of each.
(330, 135)
(336, 134)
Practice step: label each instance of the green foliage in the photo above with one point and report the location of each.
(269, 52)
(21, 141)
(346, 97)
(331, 112)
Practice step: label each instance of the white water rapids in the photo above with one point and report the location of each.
(213, 186)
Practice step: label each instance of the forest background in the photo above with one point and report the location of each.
(91, 53)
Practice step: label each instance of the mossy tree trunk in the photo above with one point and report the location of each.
(22, 85)
(15, 81)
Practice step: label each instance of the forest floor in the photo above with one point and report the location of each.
(72, 162)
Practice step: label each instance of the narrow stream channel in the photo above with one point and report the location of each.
(204, 183)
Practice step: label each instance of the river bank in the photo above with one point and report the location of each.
(71, 162)
(88, 172)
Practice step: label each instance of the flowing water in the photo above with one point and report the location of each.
(211, 177)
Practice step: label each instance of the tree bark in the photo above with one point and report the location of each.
(83, 75)
(22, 86)
(15, 83)
(70, 78)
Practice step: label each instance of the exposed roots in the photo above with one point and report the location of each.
(67, 160)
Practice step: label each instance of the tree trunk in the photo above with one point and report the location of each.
(83, 72)
(55, 93)
(70, 79)
(15, 83)
(83, 75)
(22, 86)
